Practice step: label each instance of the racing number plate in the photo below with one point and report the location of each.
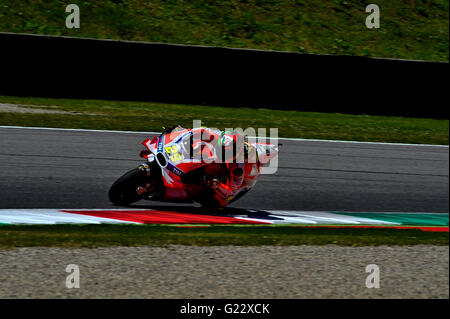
(174, 153)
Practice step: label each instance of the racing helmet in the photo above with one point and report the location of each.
(232, 144)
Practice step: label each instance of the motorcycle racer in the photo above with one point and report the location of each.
(225, 150)
(204, 165)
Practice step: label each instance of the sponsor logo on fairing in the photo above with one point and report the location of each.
(174, 170)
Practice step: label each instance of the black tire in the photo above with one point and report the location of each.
(209, 203)
(123, 191)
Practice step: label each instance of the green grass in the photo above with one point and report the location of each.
(156, 235)
(410, 29)
(148, 116)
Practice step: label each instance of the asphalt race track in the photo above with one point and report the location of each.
(74, 169)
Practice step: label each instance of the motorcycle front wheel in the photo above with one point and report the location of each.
(123, 191)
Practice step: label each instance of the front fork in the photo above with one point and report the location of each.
(154, 187)
(148, 188)
(145, 168)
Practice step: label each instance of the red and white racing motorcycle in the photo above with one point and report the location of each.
(208, 166)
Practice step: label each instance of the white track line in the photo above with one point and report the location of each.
(358, 142)
(76, 130)
(157, 133)
(52, 216)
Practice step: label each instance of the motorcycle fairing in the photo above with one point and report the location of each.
(265, 152)
(173, 169)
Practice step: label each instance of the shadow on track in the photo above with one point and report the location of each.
(202, 211)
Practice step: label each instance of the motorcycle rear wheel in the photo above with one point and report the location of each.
(123, 191)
